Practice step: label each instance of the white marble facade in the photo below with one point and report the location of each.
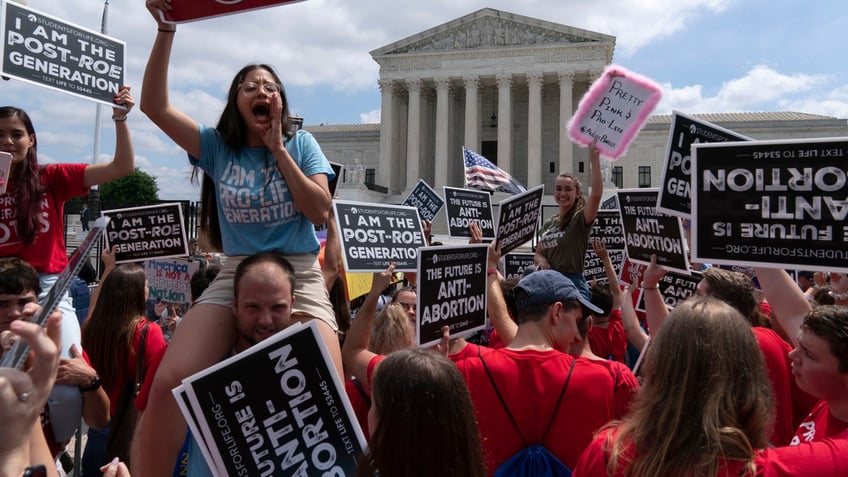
(493, 80)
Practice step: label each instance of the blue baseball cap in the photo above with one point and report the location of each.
(544, 287)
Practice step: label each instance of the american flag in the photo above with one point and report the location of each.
(482, 174)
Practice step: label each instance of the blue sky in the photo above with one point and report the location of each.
(709, 56)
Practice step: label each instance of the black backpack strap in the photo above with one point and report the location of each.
(503, 403)
(559, 401)
(139, 368)
(361, 390)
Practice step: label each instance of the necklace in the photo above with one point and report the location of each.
(838, 296)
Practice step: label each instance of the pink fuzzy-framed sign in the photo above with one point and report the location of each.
(614, 110)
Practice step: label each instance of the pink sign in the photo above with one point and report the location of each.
(183, 11)
(614, 110)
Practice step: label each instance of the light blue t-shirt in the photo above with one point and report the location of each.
(256, 209)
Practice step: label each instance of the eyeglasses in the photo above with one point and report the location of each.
(250, 88)
(406, 306)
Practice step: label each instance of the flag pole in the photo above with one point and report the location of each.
(94, 195)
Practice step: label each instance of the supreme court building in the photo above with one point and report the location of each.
(505, 85)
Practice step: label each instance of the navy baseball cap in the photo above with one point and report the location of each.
(544, 287)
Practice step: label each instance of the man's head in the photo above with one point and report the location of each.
(263, 295)
(820, 361)
(805, 279)
(407, 298)
(549, 298)
(735, 289)
(19, 285)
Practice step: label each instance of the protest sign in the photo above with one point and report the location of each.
(277, 408)
(613, 111)
(648, 231)
(150, 231)
(183, 11)
(771, 203)
(465, 206)
(610, 203)
(685, 131)
(47, 51)
(674, 287)
(451, 291)
(516, 265)
(373, 236)
(518, 218)
(170, 279)
(631, 272)
(593, 266)
(608, 228)
(425, 199)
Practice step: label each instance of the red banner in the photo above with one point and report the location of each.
(192, 10)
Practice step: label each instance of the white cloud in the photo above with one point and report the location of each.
(758, 90)
(370, 117)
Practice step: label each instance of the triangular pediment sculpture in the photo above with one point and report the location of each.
(490, 28)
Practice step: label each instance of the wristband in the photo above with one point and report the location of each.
(165, 30)
(491, 271)
(655, 287)
(95, 384)
(122, 117)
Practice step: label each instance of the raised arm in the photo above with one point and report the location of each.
(154, 98)
(123, 162)
(635, 334)
(655, 308)
(600, 249)
(786, 299)
(593, 202)
(355, 353)
(495, 303)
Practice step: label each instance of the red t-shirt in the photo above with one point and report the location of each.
(593, 462)
(626, 385)
(819, 425)
(360, 401)
(787, 396)
(823, 458)
(47, 253)
(155, 345)
(530, 382)
(609, 342)
(468, 351)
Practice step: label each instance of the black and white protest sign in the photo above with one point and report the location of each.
(373, 236)
(516, 265)
(608, 228)
(674, 287)
(170, 279)
(518, 218)
(151, 231)
(277, 408)
(648, 231)
(50, 52)
(610, 203)
(451, 291)
(593, 266)
(685, 130)
(425, 199)
(775, 203)
(465, 206)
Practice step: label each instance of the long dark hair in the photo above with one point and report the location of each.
(233, 131)
(107, 334)
(26, 181)
(420, 397)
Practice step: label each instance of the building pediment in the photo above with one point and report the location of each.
(489, 28)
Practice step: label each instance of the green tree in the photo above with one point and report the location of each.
(135, 186)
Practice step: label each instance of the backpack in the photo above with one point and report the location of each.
(533, 460)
